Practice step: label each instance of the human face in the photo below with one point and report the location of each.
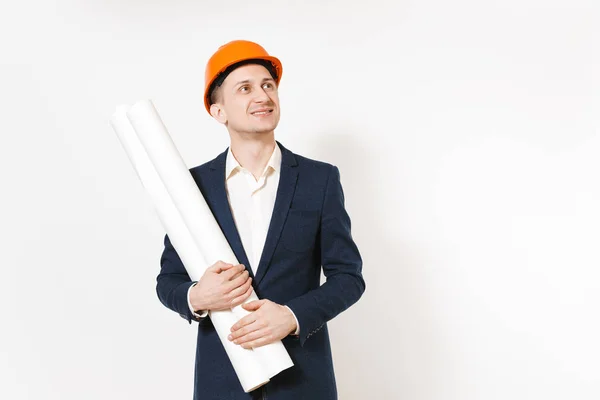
(248, 102)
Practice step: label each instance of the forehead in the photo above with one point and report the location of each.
(249, 72)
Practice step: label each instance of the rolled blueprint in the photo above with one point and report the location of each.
(199, 243)
(195, 212)
(247, 366)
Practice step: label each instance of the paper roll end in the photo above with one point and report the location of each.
(142, 104)
(120, 111)
(256, 387)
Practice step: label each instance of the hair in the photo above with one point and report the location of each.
(213, 91)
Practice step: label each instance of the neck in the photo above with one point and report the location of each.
(253, 151)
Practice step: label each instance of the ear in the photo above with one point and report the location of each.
(218, 113)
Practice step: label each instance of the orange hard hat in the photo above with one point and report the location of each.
(232, 53)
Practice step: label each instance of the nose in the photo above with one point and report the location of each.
(261, 96)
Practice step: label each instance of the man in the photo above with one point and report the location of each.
(284, 218)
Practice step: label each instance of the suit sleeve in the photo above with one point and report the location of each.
(341, 262)
(173, 282)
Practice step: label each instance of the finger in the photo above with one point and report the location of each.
(239, 290)
(242, 298)
(244, 330)
(238, 274)
(219, 266)
(237, 282)
(263, 341)
(233, 271)
(252, 336)
(254, 305)
(243, 322)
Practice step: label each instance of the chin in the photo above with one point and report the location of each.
(263, 131)
(265, 128)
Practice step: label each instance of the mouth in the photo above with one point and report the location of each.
(263, 112)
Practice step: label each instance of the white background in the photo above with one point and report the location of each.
(466, 133)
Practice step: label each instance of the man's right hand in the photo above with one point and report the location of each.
(222, 287)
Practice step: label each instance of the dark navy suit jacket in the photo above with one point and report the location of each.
(309, 230)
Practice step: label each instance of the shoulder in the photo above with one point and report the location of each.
(202, 169)
(199, 169)
(316, 173)
(307, 164)
(311, 162)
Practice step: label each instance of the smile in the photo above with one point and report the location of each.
(262, 113)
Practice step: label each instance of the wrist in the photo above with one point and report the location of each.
(196, 299)
(293, 324)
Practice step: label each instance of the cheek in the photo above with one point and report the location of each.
(239, 112)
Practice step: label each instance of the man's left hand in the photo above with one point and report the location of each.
(268, 323)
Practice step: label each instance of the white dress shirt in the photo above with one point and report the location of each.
(251, 202)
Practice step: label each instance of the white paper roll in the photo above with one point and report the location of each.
(248, 366)
(163, 205)
(195, 212)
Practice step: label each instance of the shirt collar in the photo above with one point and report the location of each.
(232, 165)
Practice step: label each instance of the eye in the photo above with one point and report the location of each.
(268, 85)
(244, 88)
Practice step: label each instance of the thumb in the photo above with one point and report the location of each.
(253, 305)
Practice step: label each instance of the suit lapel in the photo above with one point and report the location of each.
(216, 197)
(285, 192)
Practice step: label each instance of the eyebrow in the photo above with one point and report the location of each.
(248, 81)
